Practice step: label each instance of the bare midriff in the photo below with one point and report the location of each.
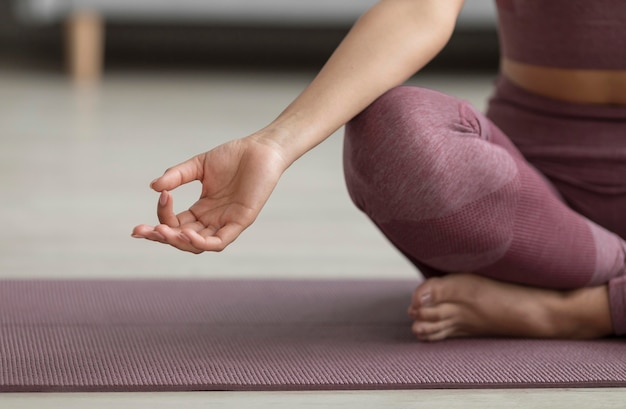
(570, 85)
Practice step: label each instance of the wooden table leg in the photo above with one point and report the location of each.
(85, 46)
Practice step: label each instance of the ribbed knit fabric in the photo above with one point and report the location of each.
(564, 33)
(80, 336)
(451, 191)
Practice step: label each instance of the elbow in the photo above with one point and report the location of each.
(437, 18)
(433, 23)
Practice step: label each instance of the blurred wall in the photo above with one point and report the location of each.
(200, 46)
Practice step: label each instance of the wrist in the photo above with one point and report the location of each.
(291, 137)
(277, 139)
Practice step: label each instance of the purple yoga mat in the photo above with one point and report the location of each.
(262, 335)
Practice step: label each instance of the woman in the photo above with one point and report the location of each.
(516, 218)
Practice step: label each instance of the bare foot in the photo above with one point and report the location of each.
(466, 305)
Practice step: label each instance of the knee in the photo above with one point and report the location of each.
(366, 145)
(391, 112)
(402, 133)
(405, 121)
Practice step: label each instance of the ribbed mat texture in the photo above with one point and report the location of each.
(262, 335)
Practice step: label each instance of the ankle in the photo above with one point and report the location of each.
(584, 313)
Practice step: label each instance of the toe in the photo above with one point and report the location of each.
(435, 323)
(440, 312)
(433, 331)
(426, 293)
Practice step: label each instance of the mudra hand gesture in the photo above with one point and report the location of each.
(237, 179)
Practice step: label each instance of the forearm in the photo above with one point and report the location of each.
(386, 46)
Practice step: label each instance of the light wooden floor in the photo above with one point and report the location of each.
(74, 171)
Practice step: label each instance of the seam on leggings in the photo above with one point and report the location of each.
(474, 120)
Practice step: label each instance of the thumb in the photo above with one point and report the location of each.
(178, 175)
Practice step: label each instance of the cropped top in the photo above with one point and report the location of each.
(583, 34)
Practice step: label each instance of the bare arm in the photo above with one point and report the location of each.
(385, 47)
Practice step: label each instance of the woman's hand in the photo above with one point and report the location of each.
(237, 179)
(387, 45)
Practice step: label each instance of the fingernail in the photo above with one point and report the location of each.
(136, 236)
(425, 299)
(163, 199)
(152, 183)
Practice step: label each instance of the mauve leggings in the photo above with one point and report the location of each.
(452, 192)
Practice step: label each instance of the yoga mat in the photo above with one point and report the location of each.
(262, 335)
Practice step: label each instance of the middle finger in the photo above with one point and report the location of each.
(173, 237)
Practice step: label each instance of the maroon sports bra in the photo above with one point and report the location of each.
(584, 34)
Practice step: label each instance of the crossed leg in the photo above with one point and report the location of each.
(451, 192)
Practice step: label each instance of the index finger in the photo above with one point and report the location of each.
(178, 175)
